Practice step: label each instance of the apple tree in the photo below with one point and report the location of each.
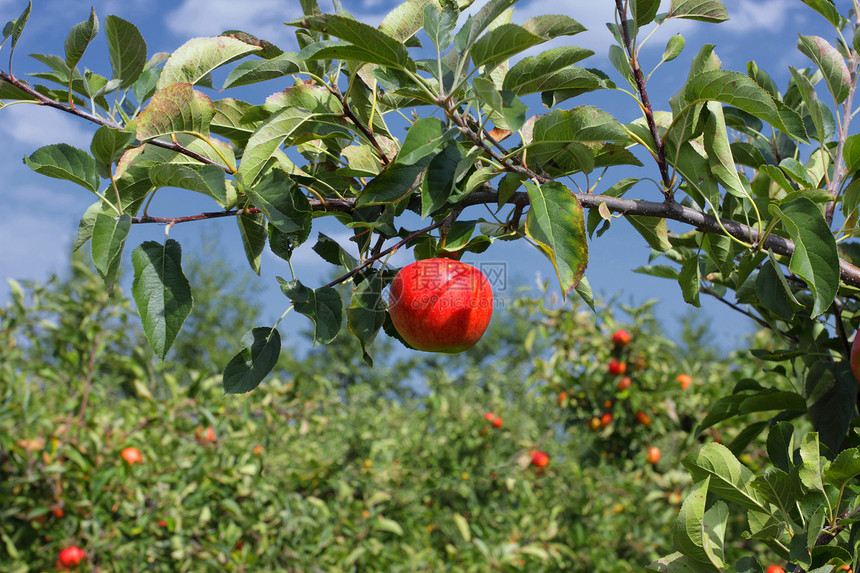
(759, 181)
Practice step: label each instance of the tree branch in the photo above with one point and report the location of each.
(646, 103)
(347, 111)
(48, 102)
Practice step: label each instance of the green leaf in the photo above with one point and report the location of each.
(843, 469)
(331, 251)
(208, 179)
(62, 161)
(774, 292)
(80, 37)
(831, 391)
(439, 26)
(389, 526)
(582, 124)
(780, 446)
(283, 203)
(830, 62)
(815, 259)
(644, 11)
(252, 227)
(510, 39)
(551, 70)
(621, 62)
(739, 90)
(720, 158)
(556, 222)
(107, 147)
(438, 183)
(463, 527)
(228, 120)
(481, 21)
(108, 240)
(323, 306)
(851, 198)
(127, 50)
(14, 28)
(851, 153)
(809, 470)
(690, 278)
(822, 117)
(252, 364)
(702, 10)
(267, 138)
(161, 292)
(652, 229)
(254, 71)
(366, 313)
(425, 137)
(730, 479)
(196, 59)
(373, 45)
(406, 19)
(688, 530)
(178, 108)
(394, 183)
(673, 48)
(827, 9)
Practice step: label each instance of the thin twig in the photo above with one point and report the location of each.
(48, 102)
(646, 103)
(376, 256)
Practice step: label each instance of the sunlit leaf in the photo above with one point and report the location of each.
(195, 60)
(178, 108)
(127, 50)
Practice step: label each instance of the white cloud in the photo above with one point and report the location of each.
(751, 15)
(262, 18)
(35, 126)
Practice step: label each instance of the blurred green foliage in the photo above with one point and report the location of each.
(334, 466)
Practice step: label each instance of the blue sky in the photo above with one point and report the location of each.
(41, 214)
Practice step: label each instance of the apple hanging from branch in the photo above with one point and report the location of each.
(440, 305)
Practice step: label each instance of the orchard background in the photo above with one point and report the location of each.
(440, 129)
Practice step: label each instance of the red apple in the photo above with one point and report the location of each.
(440, 305)
(643, 418)
(489, 416)
(132, 456)
(775, 569)
(605, 419)
(684, 380)
(621, 338)
(616, 367)
(855, 356)
(540, 459)
(204, 436)
(71, 556)
(497, 422)
(624, 383)
(652, 455)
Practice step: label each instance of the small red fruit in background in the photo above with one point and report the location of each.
(652, 455)
(540, 459)
(606, 419)
(258, 450)
(624, 383)
(206, 436)
(489, 416)
(594, 424)
(616, 368)
(71, 556)
(57, 511)
(855, 356)
(684, 380)
(440, 305)
(643, 418)
(775, 569)
(562, 397)
(132, 456)
(497, 422)
(162, 523)
(620, 338)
